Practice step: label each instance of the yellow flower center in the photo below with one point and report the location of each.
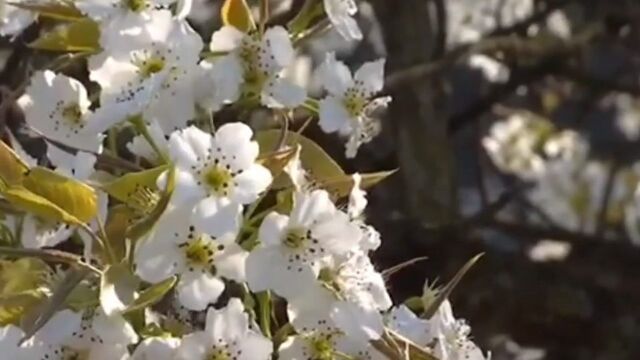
(135, 5)
(219, 354)
(295, 238)
(151, 66)
(199, 253)
(218, 179)
(72, 114)
(354, 102)
(321, 348)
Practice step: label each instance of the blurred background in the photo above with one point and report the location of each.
(515, 125)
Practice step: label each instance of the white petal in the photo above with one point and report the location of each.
(37, 234)
(370, 77)
(225, 79)
(340, 12)
(334, 75)
(186, 191)
(59, 327)
(231, 263)
(359, 323)
(156, 348)
(255, 347)
(307, 207)
(280, 93)
(228, 323)
(334, 116)
(279, 45)
(251, 183)
(114, 329)
(194, 346)
(227, 38)
(198, 289)
(218, 217)
(273, 229)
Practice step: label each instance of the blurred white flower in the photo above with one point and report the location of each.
(340, 13)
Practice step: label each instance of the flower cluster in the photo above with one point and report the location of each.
(203, 241)
(569, 186)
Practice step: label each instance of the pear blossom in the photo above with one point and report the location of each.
(227, 335)
(178, 245)
(221, 169)
(148, 72)
(288, 258)
(70, 334)
(447, 337)
(351, 292)
(253, 66)
(120, 10)
(349, 108)
(58, 107)
(139, 146)
(340, 13)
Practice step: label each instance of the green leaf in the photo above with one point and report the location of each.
(12, 169)
(152, 295)
(73, 277)
(78, 36)
(341, 186)
(318, 164)
(21, 287)
(145, 225)
(77, 199)
(37, 205)
(118, 288)
(432, 307)
(237, 14)
(119, 219)
(138, 190)
(54, 10)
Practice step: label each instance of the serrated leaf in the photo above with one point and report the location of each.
(72, 278)
(145, 225)
(77, 199)
(237, 13)
(118, 288)
(341, 186)
(318, 164)
(431, 308)
(77, 36)
(134, 188)
(32, 203)
(54, 10)
(12, 169)
(152, 295)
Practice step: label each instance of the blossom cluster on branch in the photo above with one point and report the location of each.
(227, 242)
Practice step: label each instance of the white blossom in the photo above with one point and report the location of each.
(220, 169)
(288, 258)
(178, 245)
(252, 67)
(226, 336)
(148, 72)
(340, 13)
(349, 108)
(58, 107)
